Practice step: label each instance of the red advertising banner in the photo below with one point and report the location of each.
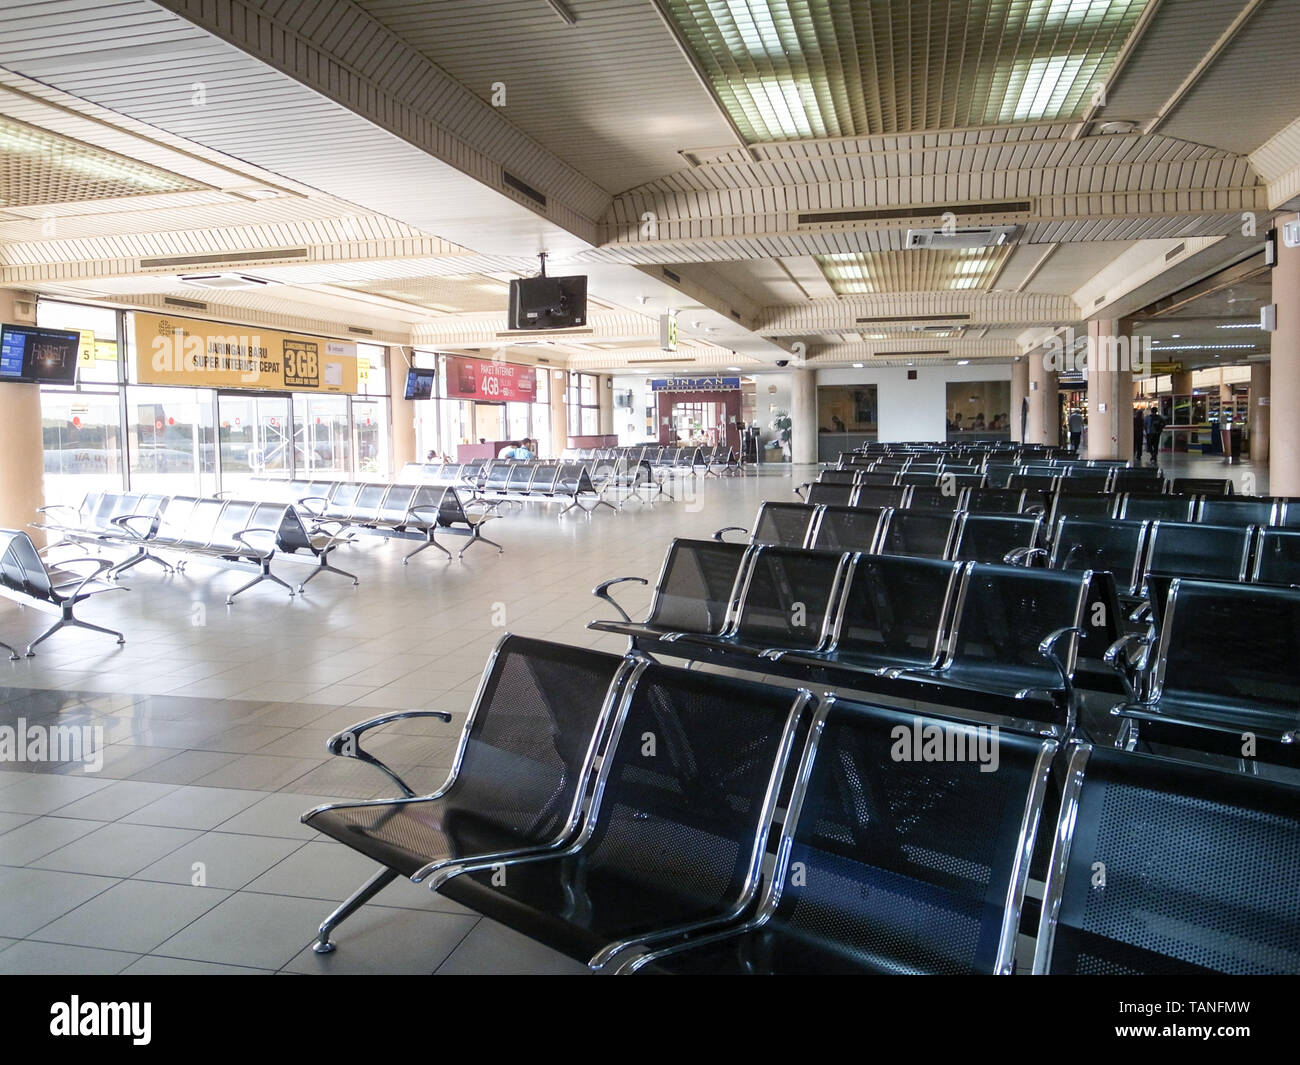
(497, 382)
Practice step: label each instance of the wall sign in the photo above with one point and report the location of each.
(187, 351)
(695, 384)
(492, 382)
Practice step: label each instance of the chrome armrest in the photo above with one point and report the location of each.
(122, 521)
(601, 591)
(1047, 648)
(1023, 556)
(101, 564)
(729, 528)
(307, 499)
(347, 744)
(262, 552)
(1116, 657)
(800, 490)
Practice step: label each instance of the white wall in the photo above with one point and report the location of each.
(642, 397)
(912, 410)
(765, 400)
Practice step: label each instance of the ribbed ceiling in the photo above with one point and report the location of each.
(792, 69)
(447, 295)
(39, 168)
(915, 270)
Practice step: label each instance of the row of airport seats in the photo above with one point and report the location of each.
(240, 533)
(394, 509)
(31, 581)
(666, 820)
(541, 480)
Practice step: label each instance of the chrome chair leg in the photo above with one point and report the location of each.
(349, 906)
(13, 655)
(321, 567)
(430, 542)
(265, 575)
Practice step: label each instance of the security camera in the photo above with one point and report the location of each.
(783, 362)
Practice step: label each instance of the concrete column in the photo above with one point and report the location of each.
(1019, 390)
(803, 416)
(22, 451)
(1284, 437)
(1110, 390)
(401, 415)
(1180, 384)
(1043, 425)
(559, 416)
(1261, 403)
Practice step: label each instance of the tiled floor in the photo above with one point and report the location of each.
(184, 852)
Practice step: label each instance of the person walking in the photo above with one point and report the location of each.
(1076, 430)
(1154, 425)
(1139, 430)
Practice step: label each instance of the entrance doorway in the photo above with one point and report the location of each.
(255, 437)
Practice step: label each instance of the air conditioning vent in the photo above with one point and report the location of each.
(224, 281)
(908, 319)
(213, 259)
(1175, 251)
(925, 210)
(361, 331)
(189, 305)
(676, 279)
(967, 237)
(523, 188)
(906, 354)
(655, 362)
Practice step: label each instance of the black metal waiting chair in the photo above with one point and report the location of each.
(848, 528)
(694, 592)
(922, 533)
(778, 525)
(1161, 867)
(677, 829)
(518, 781)
(995, 538)
(890, 861)
(1277, 558)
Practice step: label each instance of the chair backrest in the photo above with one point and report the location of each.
(995, 500)
(697, 586)
(878, 477)
(369, 503)
(202, 521)
(897, 608)
(1067, 505)
(233, 519)
(880, 496)
(1206, 486)
(175, 519)
(1200, 870)
(397, 504)
(935, 497)
(498, 475)
(545, 475)
(1141, 507)
(1230, 646)
(1237, 510)
(21, 568)
(425, 507)
(1117, 547)
(836, 495)
(685, 818)
(783, 524)
(1184, 549)
(848, 528)
(991, 537)
(537, 722)
(1041, 482)
(922, 533)
(912, 837)
(837, 477)
(1005, 612)
(568, 477)
(520, 476)
(789, 597)
(1277, 557)
(1136, 479)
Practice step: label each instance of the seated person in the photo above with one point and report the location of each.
(522, 452)
(505, 452)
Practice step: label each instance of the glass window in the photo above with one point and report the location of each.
(370, 423)
(582, 401)
(372, 370)
(98, 359)
(171, 440)
(82, 436)
(322, 441)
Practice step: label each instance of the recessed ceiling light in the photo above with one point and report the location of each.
(261, 194)
(734, 369)
(963, 362)
(858, 365)
(1116, 125)
(1177, 335)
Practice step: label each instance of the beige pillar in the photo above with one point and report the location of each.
(22, 453)
(1180, 384)
(803, 416)
(559, 418)
(1284, 437)
(1110, 389)
(1043, 425)
(1261, 403)
(1019, 390)
(401, 415)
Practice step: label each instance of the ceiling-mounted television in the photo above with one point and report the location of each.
(419, 384)
(548, 302)
(43, 356)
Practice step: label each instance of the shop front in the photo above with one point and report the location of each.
(697, 411)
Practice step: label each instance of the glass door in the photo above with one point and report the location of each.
(322, 435)
(255, 434)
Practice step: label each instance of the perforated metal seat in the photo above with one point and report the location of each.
(924, 534)
(1199, 871)
(1136, 507)
(835, 495)
(848, 528)
(694, 592)
(1277, 557)
(995, 538)
(894, 864)
(679, 823)
(520, 771)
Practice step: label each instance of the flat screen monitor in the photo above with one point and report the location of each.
(45, 356)
(419, 384)
(548, 302)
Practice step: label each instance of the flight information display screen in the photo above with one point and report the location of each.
(47, 356)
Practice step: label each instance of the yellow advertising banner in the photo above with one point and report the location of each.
(186, 351)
